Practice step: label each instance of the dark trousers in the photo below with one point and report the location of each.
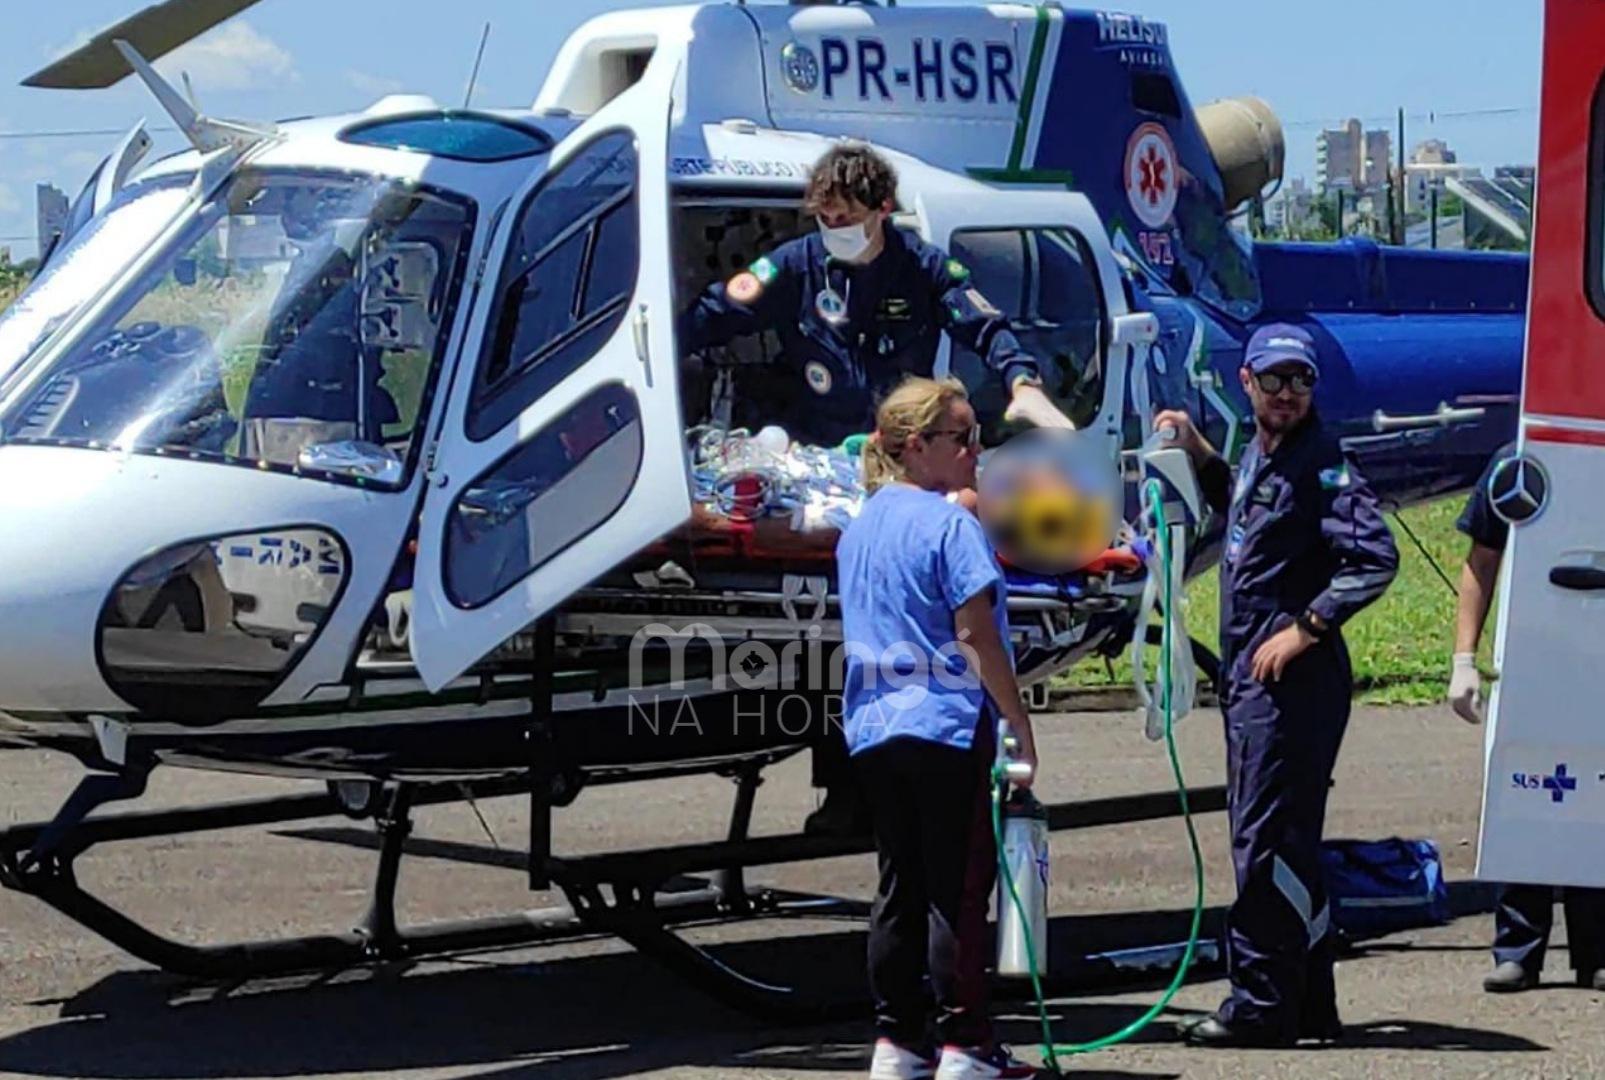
(938, 863)
(1282, 744)
(1526, 913)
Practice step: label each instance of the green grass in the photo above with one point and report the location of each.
(1400, 645)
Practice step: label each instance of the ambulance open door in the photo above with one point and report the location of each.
(1544, 794)
(561, 448)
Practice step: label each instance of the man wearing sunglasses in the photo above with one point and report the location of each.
(1306, 548)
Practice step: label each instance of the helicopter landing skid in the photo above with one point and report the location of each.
(637, 896)
(38, 859)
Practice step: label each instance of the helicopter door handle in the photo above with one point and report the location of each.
(1578, 578)
(643, 342)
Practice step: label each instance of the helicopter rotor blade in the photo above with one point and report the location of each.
(154, 31)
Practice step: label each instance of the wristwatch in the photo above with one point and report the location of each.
(1307, 621)
(1025, 380)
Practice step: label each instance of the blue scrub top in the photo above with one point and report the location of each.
(908, 561)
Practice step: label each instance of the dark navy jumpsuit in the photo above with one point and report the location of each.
(1304, 533)
(895, 309)
(1525, 914)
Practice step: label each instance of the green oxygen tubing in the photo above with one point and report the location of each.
(1051, 1051)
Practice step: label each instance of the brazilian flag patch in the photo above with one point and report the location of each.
(957, 270)
(1336, 478)
(764, 270)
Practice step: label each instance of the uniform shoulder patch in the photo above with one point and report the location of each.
(957, 270)
(1336, 478)
(744, 288)
(764, 270)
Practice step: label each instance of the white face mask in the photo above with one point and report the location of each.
(845, 242)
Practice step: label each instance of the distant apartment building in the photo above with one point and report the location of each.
(51, 221)
(1290, 207)
(1431, 163)
(1352, 159)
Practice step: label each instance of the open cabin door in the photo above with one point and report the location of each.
(1544, 796)
(561, 450)
(1040, 258)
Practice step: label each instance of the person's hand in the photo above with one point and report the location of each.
(1277, 651)
(1034, 407)
(1465, 688)
(1024, 751)
(1184, 433)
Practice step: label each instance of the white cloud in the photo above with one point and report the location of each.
(235, 56)
(375, 86)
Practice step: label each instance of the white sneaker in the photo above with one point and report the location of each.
(973, 1063)
(894, 1062)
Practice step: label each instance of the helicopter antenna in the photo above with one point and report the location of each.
(473, 78)
(203, 132)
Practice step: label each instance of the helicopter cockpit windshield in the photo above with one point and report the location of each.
(295, 323)
(88, 262)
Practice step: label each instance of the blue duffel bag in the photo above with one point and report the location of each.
(1379, 887)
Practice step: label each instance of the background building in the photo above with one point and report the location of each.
(1352, 159)
(51, 216)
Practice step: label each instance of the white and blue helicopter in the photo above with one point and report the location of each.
(355, 447)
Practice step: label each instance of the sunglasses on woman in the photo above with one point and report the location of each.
(1271, 382)
(970, 436)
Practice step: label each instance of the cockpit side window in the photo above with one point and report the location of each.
(566, 281)
(1045, 282)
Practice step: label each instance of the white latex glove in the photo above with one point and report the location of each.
(1465, 688)
(1030, 404)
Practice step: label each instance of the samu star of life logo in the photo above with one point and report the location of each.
(1151, 175)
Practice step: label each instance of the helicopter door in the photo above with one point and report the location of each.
(1544, 793)
(1040, 258)
(562, 448)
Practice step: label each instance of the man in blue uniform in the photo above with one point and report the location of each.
(1524, 914)
(1306, 548)
(860, 304)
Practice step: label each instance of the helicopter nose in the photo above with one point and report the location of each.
(58, 541)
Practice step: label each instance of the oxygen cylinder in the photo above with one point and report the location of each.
(1025, 855)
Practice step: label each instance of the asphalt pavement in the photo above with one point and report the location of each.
(72, 1005)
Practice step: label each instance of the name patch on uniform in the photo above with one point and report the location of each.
(1336, 478)
(982, 304)
(744, 288)
(894, 307)
(818, 376)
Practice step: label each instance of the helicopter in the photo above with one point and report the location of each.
(387, 418)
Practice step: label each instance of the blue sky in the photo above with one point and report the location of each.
(1314, 62)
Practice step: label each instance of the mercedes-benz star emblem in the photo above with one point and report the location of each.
(1518, 489)
(800, 67)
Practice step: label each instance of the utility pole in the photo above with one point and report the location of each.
(1399, 237)
(1432, 208)
(1340, 213)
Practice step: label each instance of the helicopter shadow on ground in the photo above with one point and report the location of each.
(583, 1018)
(586, 1017)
